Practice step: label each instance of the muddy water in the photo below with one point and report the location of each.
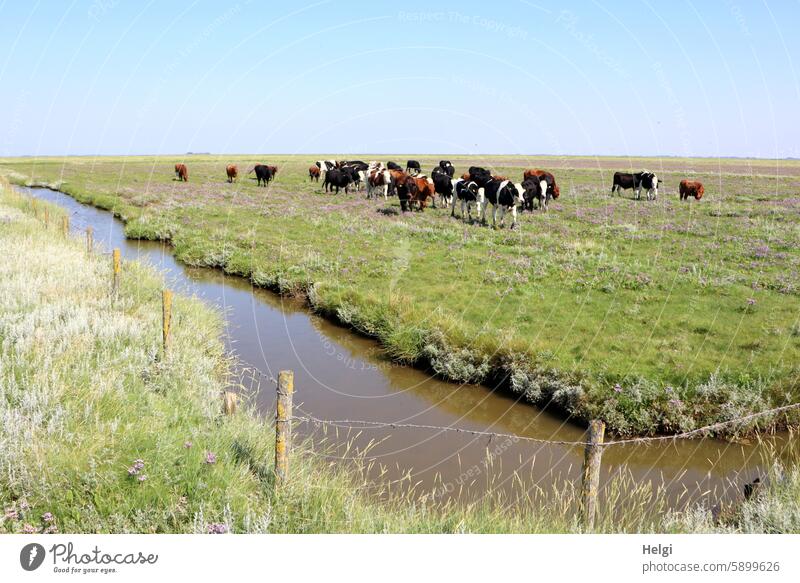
(340, 375)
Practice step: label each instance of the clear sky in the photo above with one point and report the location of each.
(518, 77)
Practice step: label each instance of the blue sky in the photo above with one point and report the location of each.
(633, 78)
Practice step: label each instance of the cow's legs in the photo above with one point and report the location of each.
(514, 217)
(502, 216)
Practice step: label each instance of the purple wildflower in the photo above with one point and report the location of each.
(47, 517)
(751, 301)
(217, 528)
(187, 444)
(668, 389)
(211, 457)
(23, 505)
(617, 388)
(11, 513)
(142, 478)
(28, 529)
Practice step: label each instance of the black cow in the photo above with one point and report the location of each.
(393, 166)
(357, 164)
(470, 195)
(479, 175)
(443, 185)
(337, 178)
(506, 196)
(413, 167)
(447, 167)
(536, 189)
(636, 180)
(263, 174)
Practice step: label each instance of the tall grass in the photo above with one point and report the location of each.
(100, 432)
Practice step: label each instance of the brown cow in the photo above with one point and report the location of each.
(313, 172)
(181, 172)
(552, 187)
(274, 170)
(420, 189)
(232, 171)
(693, 188)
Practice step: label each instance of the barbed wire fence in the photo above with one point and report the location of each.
(594, 445)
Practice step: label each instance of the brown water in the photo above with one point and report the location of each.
(340, 375)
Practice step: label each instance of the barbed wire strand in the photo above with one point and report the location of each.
(361, 424)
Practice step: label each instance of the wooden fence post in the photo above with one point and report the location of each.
(166, 318)
(117, 262)
(591, 472)
(65, 225)
(283, 426)
(89, 239)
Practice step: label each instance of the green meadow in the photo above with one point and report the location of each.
(657, 317)
(103, 432)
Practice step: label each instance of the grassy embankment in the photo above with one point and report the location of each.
(656, 317)
(84, 394)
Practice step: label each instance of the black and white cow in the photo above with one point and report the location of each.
(325, 165)
(470, 195)
(636, 180)
(536, 191)
(413, 168)
(505, 196)
(337, 178)
(443, 185)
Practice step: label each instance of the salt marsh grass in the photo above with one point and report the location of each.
(100, 432)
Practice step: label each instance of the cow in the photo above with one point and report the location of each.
(263, 174)
(352, 173)
(478, 175)
(552, 188)
(313, 173)
(693, 188)
(470, 195)
(420, 189)
(357, 164)
(325, 165)
(181, 172)
(378, 181)
(337, 178)
(535, 189)
(443, 185)
(413, 168)
(399, 185)
(636, 180)
(503, 195)
(232, 171)
(445, 166)
(273, 170)
(393, 166)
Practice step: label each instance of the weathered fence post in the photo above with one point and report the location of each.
(229, 400)
(117, 270)
(591, 472)
(166, 318)
(283, 425)
(89, 239)
(65, 225)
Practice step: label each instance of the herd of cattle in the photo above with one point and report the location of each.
(476, 190)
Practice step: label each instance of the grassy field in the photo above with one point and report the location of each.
(101, 433)
(654, 316)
